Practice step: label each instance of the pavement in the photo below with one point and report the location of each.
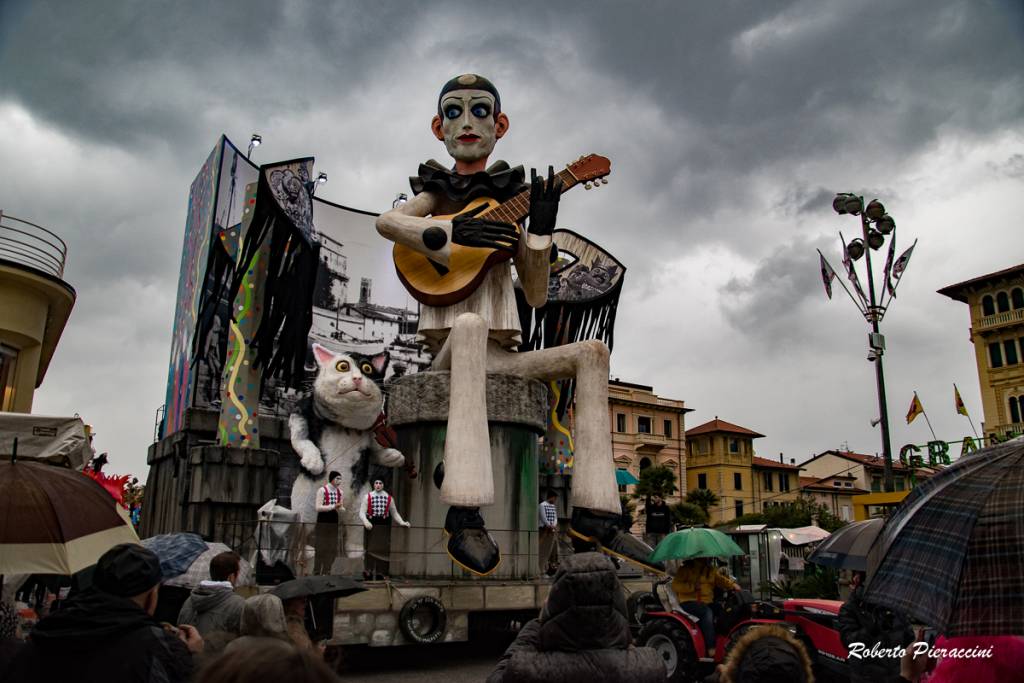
(448, 662)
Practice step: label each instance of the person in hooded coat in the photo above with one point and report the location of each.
(107, 632)
(582, 634)
(765, 654)
(263, 619)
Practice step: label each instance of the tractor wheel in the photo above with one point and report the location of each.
(673, 644)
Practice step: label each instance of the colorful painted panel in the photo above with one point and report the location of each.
(198, 228)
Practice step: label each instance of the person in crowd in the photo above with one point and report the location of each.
(295, 616)
(213, 606)
(10, 635)
(262, 620)
(107, 631)
(329, 502)
(582, 633)
(269, 660)
(547, 543)
(694, 585)
(766, 654)
(861, 622)
(659, 521)
(1005, 663)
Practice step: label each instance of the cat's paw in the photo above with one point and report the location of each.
(310, 458)
(391, 457)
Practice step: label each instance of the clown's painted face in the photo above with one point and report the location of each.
(468, 125)
(378, 485)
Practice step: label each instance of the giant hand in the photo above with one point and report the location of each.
(544, 202)
(470, 231)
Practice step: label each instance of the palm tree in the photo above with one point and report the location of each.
(705, 499)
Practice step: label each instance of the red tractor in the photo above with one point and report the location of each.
(660, 623)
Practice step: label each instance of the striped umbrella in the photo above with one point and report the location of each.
(54, 520)
(952, 555)
(847, 548)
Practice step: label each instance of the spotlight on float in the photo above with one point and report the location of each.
(874, 423)
(885, 224)
(875, 239)
(855, 248)
(874, 210)
(320, 180)
(400, 198)
(255, 141)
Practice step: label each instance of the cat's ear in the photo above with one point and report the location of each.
(323, 356)
(380, 362)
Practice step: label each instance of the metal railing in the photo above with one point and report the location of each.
(31, 245)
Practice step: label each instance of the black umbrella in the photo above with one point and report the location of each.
(327, 586)
(848, 547)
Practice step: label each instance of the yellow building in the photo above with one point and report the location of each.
(721, 460)
(836, 493)
(647, 430)
(35, 303)
(775, 483)
(996, 305)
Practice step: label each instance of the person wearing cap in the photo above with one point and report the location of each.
(481, 333)
(107, 631)
(329, 501)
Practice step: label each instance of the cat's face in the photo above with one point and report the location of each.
(346, 386)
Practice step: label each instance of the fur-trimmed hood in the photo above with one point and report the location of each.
(767, 654)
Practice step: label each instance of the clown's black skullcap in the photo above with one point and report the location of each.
(127, 570)
(470, 82)
(332, 475)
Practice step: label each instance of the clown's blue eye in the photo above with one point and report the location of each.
(453, 112)
(480, 110)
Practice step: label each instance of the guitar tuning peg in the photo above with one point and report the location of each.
(587, 186)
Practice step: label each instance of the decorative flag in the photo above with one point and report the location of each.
(851, 273)
(960, 407)
(901, 264)
(827, 275)
(888, 265)
(915, 409)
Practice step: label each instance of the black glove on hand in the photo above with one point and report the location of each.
(470, 231)
(544, 202)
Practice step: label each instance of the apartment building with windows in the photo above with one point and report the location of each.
(996, 306)
(774, 482)
(647, 430)
(720, 458)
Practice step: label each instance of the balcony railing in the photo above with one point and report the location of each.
(31, 245)
(998, 319)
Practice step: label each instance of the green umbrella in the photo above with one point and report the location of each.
(624, 478)
(690, 543)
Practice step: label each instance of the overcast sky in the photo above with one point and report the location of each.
(730, 126)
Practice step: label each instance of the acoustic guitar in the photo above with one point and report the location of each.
(436, 285)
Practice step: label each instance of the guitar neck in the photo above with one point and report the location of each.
(517, 208)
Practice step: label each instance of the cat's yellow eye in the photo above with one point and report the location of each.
(366, 368)
(342, 366)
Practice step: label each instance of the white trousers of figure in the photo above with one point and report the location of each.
(470, 355)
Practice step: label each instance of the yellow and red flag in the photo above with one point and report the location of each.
(960, 407)
(915, 409)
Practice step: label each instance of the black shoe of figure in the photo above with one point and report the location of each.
(604, 530)
(469, 544)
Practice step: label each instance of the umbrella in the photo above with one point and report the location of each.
(176, 551)
(186, 559)
(697, 542)
(625, 478)
(55, 520)
(848, 547)
(328, 586)
(803, 535)
(952, 555)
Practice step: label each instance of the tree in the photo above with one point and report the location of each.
(655, 481)
(705, 499)
(688, 514)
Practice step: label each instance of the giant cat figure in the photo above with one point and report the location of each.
(331, 431)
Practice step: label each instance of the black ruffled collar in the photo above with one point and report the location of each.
(499, 181)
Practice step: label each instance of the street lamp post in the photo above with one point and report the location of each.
(875, 225)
